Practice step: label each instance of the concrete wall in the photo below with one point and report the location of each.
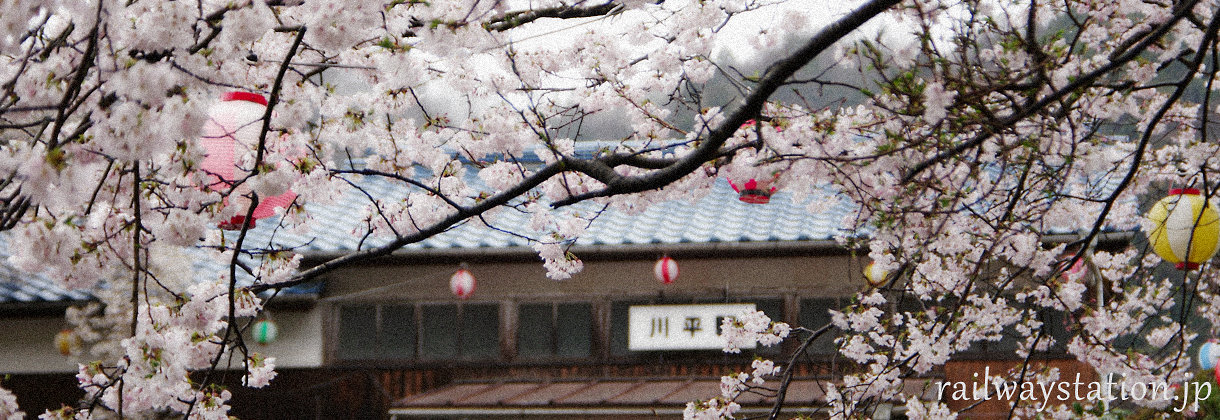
(808, 276)
(300, 340)
(27, 345)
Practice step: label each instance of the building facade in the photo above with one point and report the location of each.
(390, 339)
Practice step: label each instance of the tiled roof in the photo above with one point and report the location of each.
(717, 217)
(18, 287)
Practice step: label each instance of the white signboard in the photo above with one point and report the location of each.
(680, 327)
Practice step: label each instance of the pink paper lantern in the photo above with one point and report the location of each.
(462, 283)
(666, 270)
(236, 118)
(1076, 272)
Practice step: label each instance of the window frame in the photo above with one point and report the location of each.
(335, 350)
(595, 327)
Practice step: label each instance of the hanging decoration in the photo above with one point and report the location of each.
(754, 191)
(67, 342)
(1185, 228)
(265, 331)
(666, 270)
(1209, 353)
(462, 283)
(1217, 375)
(875, 276)
(1076, 272)
(232, 123)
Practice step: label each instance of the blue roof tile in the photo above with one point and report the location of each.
(717, 217)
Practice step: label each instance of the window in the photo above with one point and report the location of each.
(562, 330)
(355, 341)
(428, 332)
(815, 313)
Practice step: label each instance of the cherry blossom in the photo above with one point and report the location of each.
(975, 143)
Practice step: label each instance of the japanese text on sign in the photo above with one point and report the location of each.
(680, 327)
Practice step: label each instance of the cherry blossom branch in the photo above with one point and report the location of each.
(616, 184)
(494, 201)
(773, 79)
(1208, 38)
(81, 72)
(397, 177)
(1085, 80)
(782, 391)
(514, 19)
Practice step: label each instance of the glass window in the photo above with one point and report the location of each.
(574, 328)
(815, 313)
(549, 330)
(619, 327)
(534, 331)
(407, 332)
(439, 332)
(479, 331)
(774, 309)
(357, 332)
(398, 331)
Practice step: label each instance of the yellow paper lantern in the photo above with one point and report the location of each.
(875, 277)
(1186, 228)
(67, 342)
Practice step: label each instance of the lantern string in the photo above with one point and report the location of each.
(440, 273)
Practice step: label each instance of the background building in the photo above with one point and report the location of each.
(390, 338)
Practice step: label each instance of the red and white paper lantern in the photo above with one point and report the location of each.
(462, 283)
(1217, 375)
(666, 270)
(232, 123)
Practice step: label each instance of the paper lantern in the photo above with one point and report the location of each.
(874, 275)
(236, 122)
(265, 331)
(462, 283)
(1075, 272)
(1185, 228)
(1209, 352)
(666, 270)
(67, 342)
